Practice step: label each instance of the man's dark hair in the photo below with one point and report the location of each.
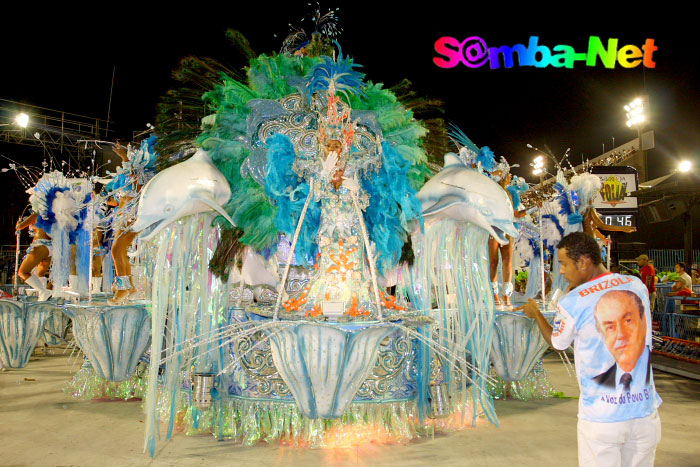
(682, 265)
(578, 244)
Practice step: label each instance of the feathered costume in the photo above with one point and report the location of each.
(574, 200)
(58, 207)
(266, 138)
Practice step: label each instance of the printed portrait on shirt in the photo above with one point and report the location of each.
(621, 322)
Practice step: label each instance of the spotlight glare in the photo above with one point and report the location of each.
(22, 120)
(685, 166)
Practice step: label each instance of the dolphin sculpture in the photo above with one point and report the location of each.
(187, 188)
(461, 193)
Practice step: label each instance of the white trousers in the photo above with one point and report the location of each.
(631, 443)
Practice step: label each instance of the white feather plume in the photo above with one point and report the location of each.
(586, 185)
(66, 209)
(551, 235)
(524, 248)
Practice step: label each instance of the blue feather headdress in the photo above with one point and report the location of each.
(460, 139)
(566, 198)
(486, 159)
(339, 72)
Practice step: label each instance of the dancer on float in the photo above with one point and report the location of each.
(502, 175)
(577, 214)
(55, 216)
(341, 277)
(38, 256)
(136, 169)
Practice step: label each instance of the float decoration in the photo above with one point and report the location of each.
(21, 327)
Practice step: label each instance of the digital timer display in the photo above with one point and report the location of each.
(620, 220)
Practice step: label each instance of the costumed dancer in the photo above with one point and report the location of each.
(55, 214)
(341, 177)
(136, 169)
(98, 253)
(483, 161)
(502, 175)
(575, 200)
(587, 185)
(38, 256)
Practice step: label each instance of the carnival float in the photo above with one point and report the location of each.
(296, 264)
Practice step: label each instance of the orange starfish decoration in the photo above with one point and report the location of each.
(343, 261)
(294, 304)
(354, 309)
(315, 311)
(389, 302)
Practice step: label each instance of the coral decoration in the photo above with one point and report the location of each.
(389, 302)
(354, 309)
(294, 304)
(341, 263)
(315, 311)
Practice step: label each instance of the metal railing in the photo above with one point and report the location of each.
(665, 260)
(680, 349)
(677, 325)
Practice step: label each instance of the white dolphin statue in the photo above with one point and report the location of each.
(461, 193)
(187, 188)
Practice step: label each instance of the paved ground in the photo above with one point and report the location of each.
(39, 425)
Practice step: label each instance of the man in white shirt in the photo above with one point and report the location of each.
(608, 319)
(684, 281)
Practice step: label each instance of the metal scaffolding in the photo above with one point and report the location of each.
(52, 130)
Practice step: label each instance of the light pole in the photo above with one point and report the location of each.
(539, 170)
(635, 112)
(684, 167)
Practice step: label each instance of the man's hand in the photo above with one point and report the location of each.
(531, 309)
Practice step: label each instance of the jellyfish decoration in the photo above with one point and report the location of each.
(450, 277)
(21, 326)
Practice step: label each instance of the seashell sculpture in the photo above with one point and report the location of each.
(112, 338)
(517, 345)
(21, 326)
(324, 365)
(55, 327)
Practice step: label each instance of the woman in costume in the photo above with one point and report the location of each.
(577, 214)
(56, 210)
(38, 256)
(504, 178)
(483, 160)
(136, 169)
(341, 275)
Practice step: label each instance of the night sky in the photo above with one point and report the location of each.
(67, 65)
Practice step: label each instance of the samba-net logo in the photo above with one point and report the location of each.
(474, 53)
